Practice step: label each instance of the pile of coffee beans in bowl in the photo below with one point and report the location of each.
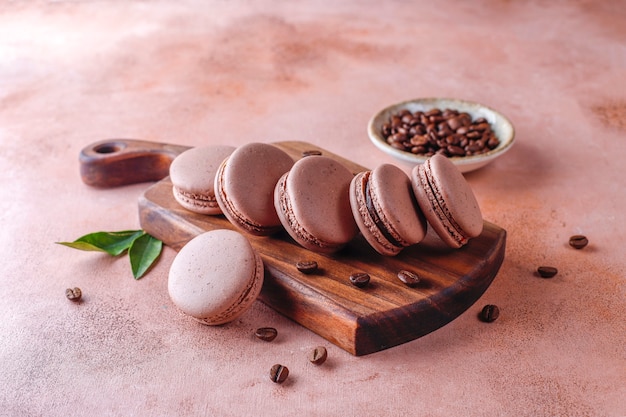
(448, 131)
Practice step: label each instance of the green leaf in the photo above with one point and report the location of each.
(143, 252)
(113, 243)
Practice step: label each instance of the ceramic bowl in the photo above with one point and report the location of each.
(500, 125)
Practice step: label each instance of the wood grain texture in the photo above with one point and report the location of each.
(115, 162)
(384, 314)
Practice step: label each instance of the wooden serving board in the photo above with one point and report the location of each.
(384, 314)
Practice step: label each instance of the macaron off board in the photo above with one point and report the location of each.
(312, 205)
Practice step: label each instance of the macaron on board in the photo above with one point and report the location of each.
(362, 321)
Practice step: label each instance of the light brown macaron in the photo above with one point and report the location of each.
(216, 277)
(313, 204)
(384, 207)
(447, 201)
(244, 187)
(193, 177)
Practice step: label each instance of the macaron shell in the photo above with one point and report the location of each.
(314, 204)
(365, 223)
(447, 201)
(216, 277)
(245, 187)
(396, 209)
(193, 177)
(393, 194)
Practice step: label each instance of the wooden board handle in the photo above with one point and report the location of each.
(116, 162)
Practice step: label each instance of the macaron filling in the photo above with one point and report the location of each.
(364, 193)
(439, 206)
(294, 226)
(195, 199)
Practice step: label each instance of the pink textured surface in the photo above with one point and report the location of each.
(196, 73)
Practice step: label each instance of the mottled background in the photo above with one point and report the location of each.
(199, 72)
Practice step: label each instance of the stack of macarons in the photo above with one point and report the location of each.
(321, 204)
(318, 201)
(393, 210)
(261, 190)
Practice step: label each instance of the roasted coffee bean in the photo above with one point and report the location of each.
(489, 313)
(419, 140)
(409, 278)
(307, 267)
(73, 294)
(449, 132)
(279, 373)
(578, 241)
(311, 153)
(474, 147)
(397, 138)
(454, 123)
(547, 271)
(266, 333)
(360, 279)
(493, 142)
(455, 150)
(318, 355)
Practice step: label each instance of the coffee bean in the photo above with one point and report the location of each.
(73, 294)
(455, 150)
(493, 142)
(307, 267)
(547, 271)
(433, 112)
(311, 153)
(279, 373)
(448, 132)
(454, 123)
(318, 355)
(419, 140)
(360, 279)
(578, 241)
(489, 313)
(409, 278)
(396, 138)
(266, 333)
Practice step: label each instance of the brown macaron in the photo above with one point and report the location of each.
(216, 277)
(244, 187)
(447, 201)
(313, 204)
(385, 209)
(193, 177)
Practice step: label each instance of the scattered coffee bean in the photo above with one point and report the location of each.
(266, 333)
(311, 153)
(489, 313)
(360, 279)
(318, 355)
(307, 267)
(547, 271)
(450, 132)
(73, 294)
(279, 373)
(578, 241)
(409, 278)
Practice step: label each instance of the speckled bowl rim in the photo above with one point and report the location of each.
(501, 126)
